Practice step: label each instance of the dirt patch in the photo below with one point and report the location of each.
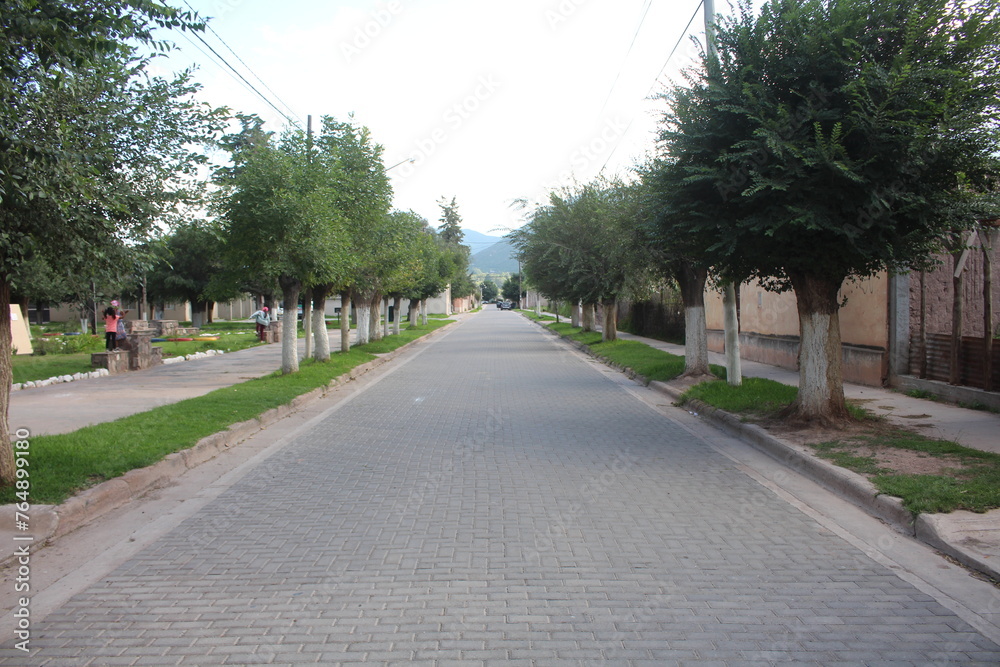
(853, 439)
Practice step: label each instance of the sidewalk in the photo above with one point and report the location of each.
(63, 408)
(972, 539)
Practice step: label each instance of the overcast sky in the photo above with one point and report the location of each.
(494, 101)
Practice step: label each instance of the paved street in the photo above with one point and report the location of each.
(496, 499)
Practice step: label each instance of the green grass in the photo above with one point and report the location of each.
(648, 362)
(405, 336)
(756, 396)
(228, 342)
(530, 314)
(65, 464)
(28, 368)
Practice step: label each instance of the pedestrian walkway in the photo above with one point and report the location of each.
(496, 499)
(978, 429)
(63, 408)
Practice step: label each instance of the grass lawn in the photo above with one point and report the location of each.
(28, 368)
(67, 463)
(649, 362)
(962, 478)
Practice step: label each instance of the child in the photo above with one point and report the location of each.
(111, 318)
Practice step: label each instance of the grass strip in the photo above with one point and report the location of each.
(64, 464)
(647, 361)
(756, 397)
(28, 368)
(973, 484)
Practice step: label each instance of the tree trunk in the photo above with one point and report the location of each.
(423, 312)
(734, 372)
(589, 316)
(289, 326)
(955, 376)
(307, 308)
(363, 320)
(821, 380)
(414, 312)
(986, 237)
(609, 332)
(321, 337)
(575, 316)
(691, 280)
(345, 320)
(397, 302)
(385, 320)
(375, 313)
(7, 467)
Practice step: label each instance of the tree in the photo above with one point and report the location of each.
(94, 147)
(280, 221)
(191, 257)
(587, 245)
(847, 127)
(451, 222)
(489, 290)
(511, 288)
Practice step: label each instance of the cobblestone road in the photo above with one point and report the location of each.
(496, 500)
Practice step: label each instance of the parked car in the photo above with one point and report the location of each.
(506, 305)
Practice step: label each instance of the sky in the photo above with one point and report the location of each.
(487, 102)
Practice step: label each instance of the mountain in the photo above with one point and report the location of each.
(498, 258)
(477, 241)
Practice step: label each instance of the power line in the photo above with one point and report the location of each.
(242, 62)
(655, 80)
(645, 12)
(243, 79)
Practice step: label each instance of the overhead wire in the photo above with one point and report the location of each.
(242, 78)
(642, 20)
(242, 62)
(680, 39)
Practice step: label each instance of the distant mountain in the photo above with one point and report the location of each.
(477, 241)
(498, 258)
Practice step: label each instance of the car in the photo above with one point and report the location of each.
(506, 305)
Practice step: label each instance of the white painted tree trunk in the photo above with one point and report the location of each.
(345, 321)
(423, 311)
(385, 321)
(575, 316)
(734, 371)
(695, 341)
(307, 307)
(321, 336)
(375, 328)
(362, 308)
(289, 328)
(397, 303)
(414, 312)
(821, 380)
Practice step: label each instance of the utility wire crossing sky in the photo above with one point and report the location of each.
(486, 102)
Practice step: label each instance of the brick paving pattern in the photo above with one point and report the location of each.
(494, 500)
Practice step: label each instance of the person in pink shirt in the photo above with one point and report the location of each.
(111, 318)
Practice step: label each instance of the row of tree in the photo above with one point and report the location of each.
(824, 141)
(102, 168)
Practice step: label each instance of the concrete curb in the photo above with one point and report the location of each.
(49, 522)
(928, 528)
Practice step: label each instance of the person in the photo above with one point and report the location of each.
(262, 320)
(120, 334)
(110, 328)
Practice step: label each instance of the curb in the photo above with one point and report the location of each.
(95, 502)
(928, 528)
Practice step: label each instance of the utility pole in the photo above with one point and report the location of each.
(734, 373)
